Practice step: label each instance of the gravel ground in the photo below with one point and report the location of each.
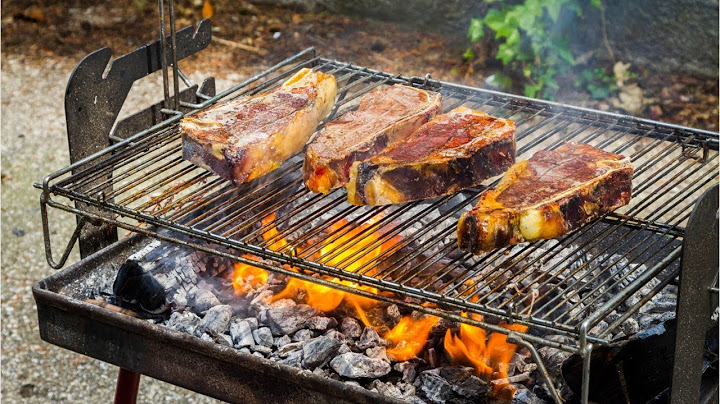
(33, 144)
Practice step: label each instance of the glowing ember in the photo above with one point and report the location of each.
(409, 336)
(246, 277)
(490, 357)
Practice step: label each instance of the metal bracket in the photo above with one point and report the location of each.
(695, 299)
(515, 338)
(94, 98)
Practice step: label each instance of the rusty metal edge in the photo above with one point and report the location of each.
(174, 357)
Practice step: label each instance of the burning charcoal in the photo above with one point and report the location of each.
(287, 320)
(343, 349)
(407, 369)
(201, 300)
(525, 396)
(260, 302)
(350, 327)
(245, 350)
(392, 315)
(318, 351)
(261, 349)
(320, 372)
(282, 341)
(336, 335)
(294, 359)
(258, 354)
(186, 322)
(286, 350)
(241, 333)
(302, 335)
(630, 327)
(369, 339)
(207, 337)
(263, 337)
(553, 359)
(436, 389)
(216, 320)
(377, 352)
(464, 382)
(321, 323)
(353, 383)
(278, 304)
(355, 365)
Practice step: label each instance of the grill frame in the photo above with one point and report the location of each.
(690, 141)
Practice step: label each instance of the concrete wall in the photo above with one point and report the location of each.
(676, 36)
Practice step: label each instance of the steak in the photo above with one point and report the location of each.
(246, 138)
(384, 117)
(548, 196)
(452, 152)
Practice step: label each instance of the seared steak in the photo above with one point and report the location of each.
(548, 196)
(384, 117)
(452, 152)
(246, 138)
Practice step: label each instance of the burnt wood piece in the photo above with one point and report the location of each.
(162, 274)
(246, 138)
(548, 196)
(384, 117)
(452, 152)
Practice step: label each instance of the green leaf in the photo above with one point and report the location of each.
(505, 53)
(531, 90)
(553, 8)
(596, 3)
(468, 53)
(495, 19)
(501, 80)
(475, 31)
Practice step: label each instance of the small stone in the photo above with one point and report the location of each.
(321, 323)
(377, 352)
(294, 359)
(278, 304)
(318, 351)
(263, 337)
(265, 351)
(369, 339)
(354, 365)
(407, 369)
(282, 341)
(201, 300)
(287, 349)
(350, 327)
(302, 335)
(241, 334)
(630, 327)
(216, 320)
(287, 320)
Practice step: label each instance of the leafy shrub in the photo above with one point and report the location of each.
(534, 46)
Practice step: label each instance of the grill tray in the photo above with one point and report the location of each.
(142, 184)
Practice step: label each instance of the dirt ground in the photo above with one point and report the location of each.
(73, 29)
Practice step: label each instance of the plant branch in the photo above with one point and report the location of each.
(604, 32)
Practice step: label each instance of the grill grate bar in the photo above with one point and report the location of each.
(411, 248)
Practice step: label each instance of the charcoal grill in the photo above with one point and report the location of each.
(133, 177)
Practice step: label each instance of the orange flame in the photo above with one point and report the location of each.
(490, 357)
(246, 277)
(409, 336)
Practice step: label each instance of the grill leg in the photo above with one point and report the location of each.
(127, 387)
(695, 304)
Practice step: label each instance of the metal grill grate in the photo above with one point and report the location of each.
(567, 285)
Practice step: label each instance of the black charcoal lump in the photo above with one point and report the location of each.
(354, 365)
(201, 300)
(350, 327)
(317, 351)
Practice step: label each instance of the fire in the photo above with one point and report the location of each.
(409, 336)
(490, 356)
(246, 277)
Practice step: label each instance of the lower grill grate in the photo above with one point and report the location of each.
(567, 286)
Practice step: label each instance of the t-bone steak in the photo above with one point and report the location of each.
(246, 138)
(452, 152)
(384, 117)
(548, 196)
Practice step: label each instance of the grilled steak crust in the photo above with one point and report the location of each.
(246, 138)
(548, 196)
(452, 152)
(384, 117)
